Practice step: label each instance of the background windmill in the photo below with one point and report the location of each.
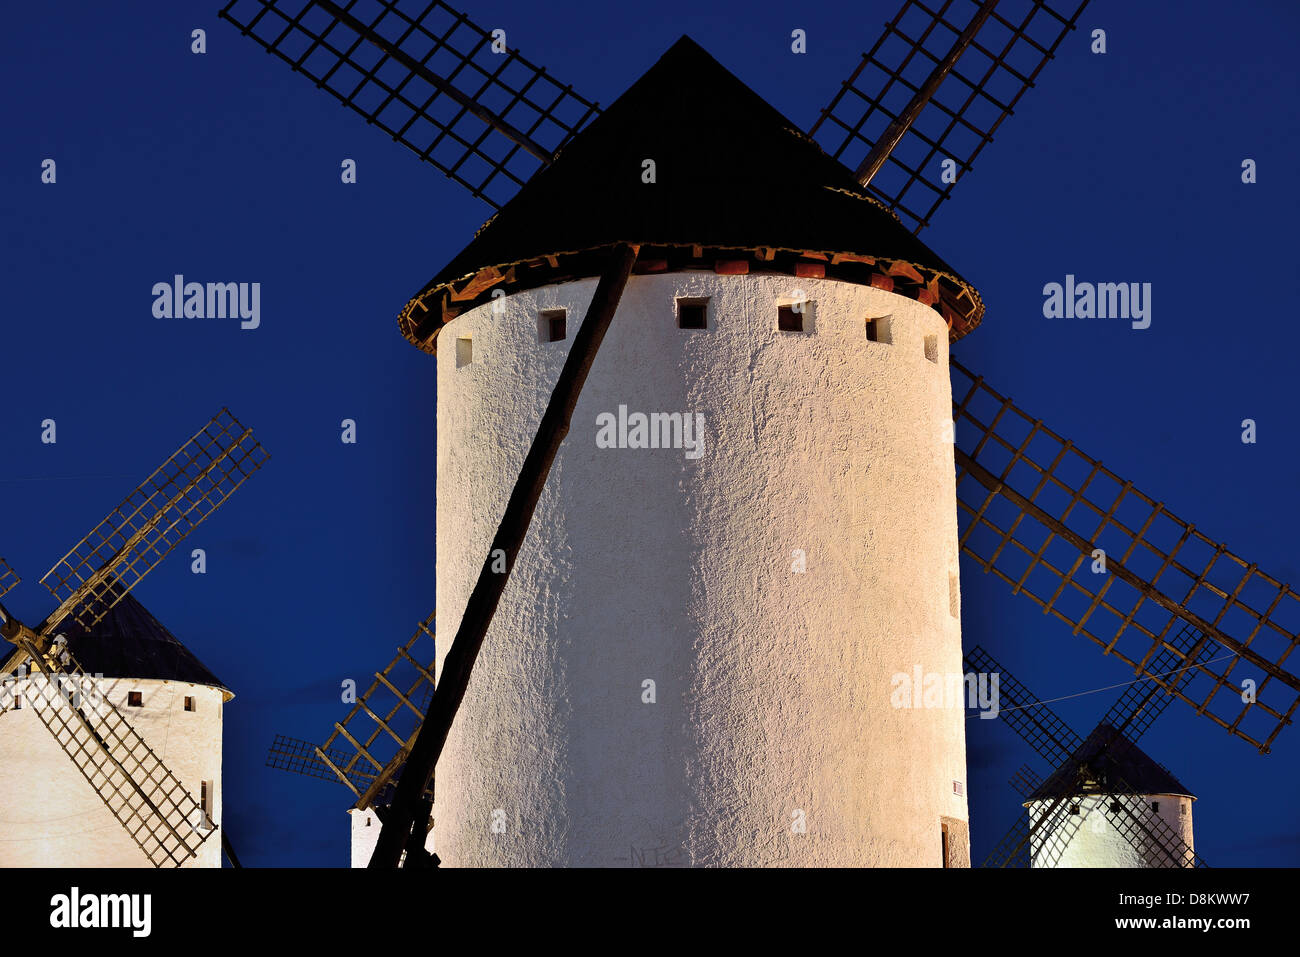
(1007, 461)
(155, 808)
(1104, 782)
(366, 749)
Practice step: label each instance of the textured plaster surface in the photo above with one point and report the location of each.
(772, 738)
(1097, 843)
(365, 827)
(50, 816)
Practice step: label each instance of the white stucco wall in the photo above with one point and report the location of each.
(1097, 842)
(365, 828)
(773, 687)
(50, 816)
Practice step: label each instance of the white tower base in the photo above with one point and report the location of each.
(695, 661)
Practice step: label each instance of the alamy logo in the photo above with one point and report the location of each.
(656, 430)
(1103, 300)
(74, 909)
(36, 690)
(214, 300)
(977, 691)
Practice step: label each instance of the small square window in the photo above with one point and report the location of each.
(692, 313)
(787, 320)
(464, 351)
(1155, 805)
(1114, 807)
(551, 325)
(1074, 809)
(878, 330)
(189, 703)
(932, 348)
(135, 699)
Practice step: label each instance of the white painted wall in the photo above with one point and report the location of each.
(773, 688)
(365, 827)
(50, 816)
(1096, 842)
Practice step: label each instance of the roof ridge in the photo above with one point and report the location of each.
(688, 156)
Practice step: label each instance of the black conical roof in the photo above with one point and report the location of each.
(730, 173)
(1123, 761)
(131, 643)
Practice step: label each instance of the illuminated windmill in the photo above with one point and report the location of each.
(781, 293)
(1105, 803)
(112, 715)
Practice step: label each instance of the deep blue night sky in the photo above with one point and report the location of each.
(225, 166)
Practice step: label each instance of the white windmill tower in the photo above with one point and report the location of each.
(170, 698)
(1152, 800)
(1105, 803)
(680, 646)
(110, 728)
(749, 531)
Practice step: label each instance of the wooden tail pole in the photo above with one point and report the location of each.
(482, 604)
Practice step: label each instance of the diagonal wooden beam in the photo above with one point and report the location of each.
(405, 811)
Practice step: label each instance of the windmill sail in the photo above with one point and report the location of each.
(1042, 728)
(1026, 780)
(1143, 701)
(369, 746)
(8, 578)
(1013, 849)
(933, 90)
(428, 77)
(1117, 567)
(288, 753)
(137, 535)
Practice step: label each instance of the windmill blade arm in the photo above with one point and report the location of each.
(428, 77)
(136, 536)
(1041, 515)
(302, 757)
(1041, 727)
(935, 87)
(1013, 849)
(8, 578)
(368, 747)
(1026, 781)
(1143, 701)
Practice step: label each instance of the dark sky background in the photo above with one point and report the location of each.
(225, 167)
